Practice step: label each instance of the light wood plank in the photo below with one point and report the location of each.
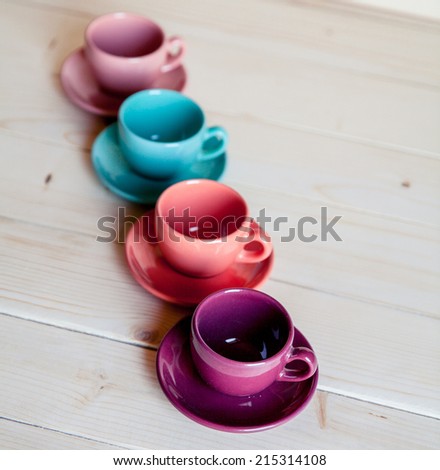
(427, 10)
(23, 436)
(380, 259)
(71, 280)
(374, 252)
(381, 355)
(369, 351)
(336, 172)
(108, 391)
(363, 175)
(345, 174)
(338, 35)
(311, 96)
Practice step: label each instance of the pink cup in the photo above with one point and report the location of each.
(127, 52)
(242, 342)
(204, 226)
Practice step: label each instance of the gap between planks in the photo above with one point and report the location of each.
(142, 345)
(65, 433)
(342, 295)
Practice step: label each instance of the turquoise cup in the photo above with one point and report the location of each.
(162, 132)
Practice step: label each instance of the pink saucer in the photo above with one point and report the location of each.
(82, 89)
(155, 275)
(185, 389)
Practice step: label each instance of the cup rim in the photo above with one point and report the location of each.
(160, 213)
(195, 332)
(157, 91)
(95, 22)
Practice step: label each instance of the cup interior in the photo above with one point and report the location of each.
(202, 209)
(163, 117)
(125, 35)
(243, 326)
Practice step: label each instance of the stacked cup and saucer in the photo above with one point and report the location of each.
(159, 139)
(123, 53)
(239, 364)
(197, 240)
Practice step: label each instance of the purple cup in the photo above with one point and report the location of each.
(242, 342)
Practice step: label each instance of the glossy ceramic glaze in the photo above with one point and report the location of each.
(162, 132)
(154, 274)
(242, 341)
(127, 52)
(205, 228)
(82, 88)
(187, 391)
(116, 174)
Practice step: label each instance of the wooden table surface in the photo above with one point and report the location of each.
(329, 105)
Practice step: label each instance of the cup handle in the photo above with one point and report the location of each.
(222, 141)
(258, 237)
(306, 356)
(174, 60)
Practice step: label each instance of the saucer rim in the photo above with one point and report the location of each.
(73, 96)
(113, 127)
(223, 427)
(174, 300)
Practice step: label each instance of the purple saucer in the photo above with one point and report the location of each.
(183, 386)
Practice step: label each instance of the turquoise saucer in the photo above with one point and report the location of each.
(115, 173)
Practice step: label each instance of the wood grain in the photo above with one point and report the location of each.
(327, 104)
(369, 241)
(70, 280)
(346, 174)
(317, 93)
(97, 388)
(363, 175)
(23, 436)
